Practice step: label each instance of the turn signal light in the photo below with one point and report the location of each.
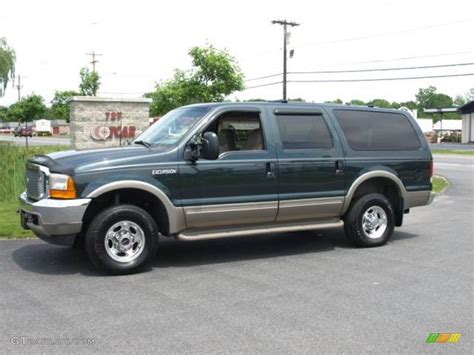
(68, 193)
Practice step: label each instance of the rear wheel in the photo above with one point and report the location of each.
(122, 239)
(370, 221)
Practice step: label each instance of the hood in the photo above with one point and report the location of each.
(73, 161)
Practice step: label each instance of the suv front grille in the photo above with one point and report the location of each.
(35, 182)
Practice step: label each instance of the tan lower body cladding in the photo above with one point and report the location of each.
(266, 216)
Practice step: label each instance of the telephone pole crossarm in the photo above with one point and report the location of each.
(285, 25)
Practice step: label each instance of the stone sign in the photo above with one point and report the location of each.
(99, 122)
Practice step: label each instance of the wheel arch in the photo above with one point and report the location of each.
(174, 215)
(375, 176)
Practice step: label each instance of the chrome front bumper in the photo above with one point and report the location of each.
(55, 221)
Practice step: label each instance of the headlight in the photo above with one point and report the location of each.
(62, 186)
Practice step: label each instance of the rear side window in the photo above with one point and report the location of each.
(304, 132)
(370, 130)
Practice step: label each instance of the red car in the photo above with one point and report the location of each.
(23, 131)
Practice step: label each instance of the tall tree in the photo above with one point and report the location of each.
(7, 65)
(90, 82)
(59, 104)
(429, 98)
(27, 109)
(213, 76)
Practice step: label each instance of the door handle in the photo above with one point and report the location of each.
(270, 172)
(339, 167)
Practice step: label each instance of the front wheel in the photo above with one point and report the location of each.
(122, 239)
(370, 221)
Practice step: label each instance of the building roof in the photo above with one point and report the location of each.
(59, 123)
(467, 108)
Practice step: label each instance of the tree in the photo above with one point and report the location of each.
(90, 82)
(59, 104)
(7, 65)
(429, 98)
(337, 101)
(409, 104)
(382, 103)
(470, 95)
(27, 109)
(357, 102)
(459, 100)
(3, 113)
(213, 76)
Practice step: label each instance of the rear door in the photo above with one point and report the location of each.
(310, 165)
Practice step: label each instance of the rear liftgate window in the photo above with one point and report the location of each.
(304, 132)
(366, 130)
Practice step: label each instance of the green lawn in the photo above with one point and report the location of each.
(12, 178)
(10, 226)
(439, 184)
(455, 152)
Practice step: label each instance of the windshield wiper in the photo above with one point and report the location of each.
(145, 143)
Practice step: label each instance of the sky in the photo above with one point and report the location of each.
(142, 42)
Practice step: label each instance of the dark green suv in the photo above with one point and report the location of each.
(225, 170)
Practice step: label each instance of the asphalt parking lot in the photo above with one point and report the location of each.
(305, 292)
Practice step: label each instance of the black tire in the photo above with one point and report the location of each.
(353, 222)
(95, 240)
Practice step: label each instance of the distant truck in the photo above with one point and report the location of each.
(43, 127)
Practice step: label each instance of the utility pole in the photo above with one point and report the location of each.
(285, 25)
(94, 61)
(18, 86)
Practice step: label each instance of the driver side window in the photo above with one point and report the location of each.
(238, 131)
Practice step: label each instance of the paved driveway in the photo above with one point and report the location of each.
(303, 292)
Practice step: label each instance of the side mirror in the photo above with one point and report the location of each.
(210, 146)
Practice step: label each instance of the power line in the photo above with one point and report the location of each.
(409, 30)
(364, 70)
(381, 69)
(362, 80)
(264, 77)
(259, 86)
(380, 79)
(404, 58)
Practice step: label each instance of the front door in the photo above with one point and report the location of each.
(311, 166)
(240, 187)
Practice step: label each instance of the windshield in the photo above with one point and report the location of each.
(173, 126)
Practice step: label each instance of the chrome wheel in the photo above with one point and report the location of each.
(374, 222)
(124, 241)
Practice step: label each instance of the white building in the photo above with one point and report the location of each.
(467, 112)
(448, 126)
(426, 124)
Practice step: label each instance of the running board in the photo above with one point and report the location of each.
(263, 229)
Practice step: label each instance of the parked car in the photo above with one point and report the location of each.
(225, 170)
(23, 131)
(6, 130)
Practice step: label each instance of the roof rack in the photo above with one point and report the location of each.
(280, 101)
